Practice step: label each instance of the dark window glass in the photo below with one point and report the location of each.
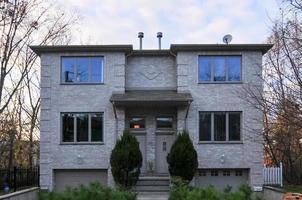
(234, 68)
(205, 127)
(219, 127)
(202, 172)
(205, 68)
(137, 122)
(214, 172)
(96, 127)
(68, 69)
(234, 126)
(226, 173)
(238, 173)
(219, 68)
(68, 127)
(82, 127)
(82, 69)
(96, 69)
(164, 122)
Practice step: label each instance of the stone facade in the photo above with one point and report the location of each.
(121, 72)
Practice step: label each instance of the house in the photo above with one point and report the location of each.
(90, 94)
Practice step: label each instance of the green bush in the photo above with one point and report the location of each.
(92, 192)
(182, 158)
(126, 161)
(183, 192)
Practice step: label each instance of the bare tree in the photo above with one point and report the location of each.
(24, 23)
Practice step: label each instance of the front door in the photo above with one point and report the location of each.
(141, 138)
(163, 146)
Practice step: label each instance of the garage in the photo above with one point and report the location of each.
(220, 178)
(74, 177)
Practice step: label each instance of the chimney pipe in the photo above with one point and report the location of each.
(159, 36)
(140, 36)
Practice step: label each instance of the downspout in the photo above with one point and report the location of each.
(187, 113)
(116, 121)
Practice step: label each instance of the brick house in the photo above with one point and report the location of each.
(90, 94)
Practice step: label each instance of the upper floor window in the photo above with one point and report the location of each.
(219, 126)
(82, 70)
(82, 127)
(137, 122)
(219, 69)
(164, 122)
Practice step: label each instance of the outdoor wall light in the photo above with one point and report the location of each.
(222, 159)
(80, 159)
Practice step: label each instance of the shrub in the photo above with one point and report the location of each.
(92, 192)
(182, 158)
(126, 161)
(183, 192)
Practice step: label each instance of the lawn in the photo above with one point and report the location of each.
(293, 188)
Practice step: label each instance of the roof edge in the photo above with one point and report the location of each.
(81, 48)
(221, 47)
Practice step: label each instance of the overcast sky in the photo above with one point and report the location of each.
(181, 21)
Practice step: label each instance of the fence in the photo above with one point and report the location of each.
(273, 175)
(18, 178)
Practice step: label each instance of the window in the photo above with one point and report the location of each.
(164, 122)
(205, 126)
(219, 126)
(202, 172)
(82, 127)
(219, 68)
(82, 70)
(238, 173)
(226, 173)
(137, 122)
(214, 172)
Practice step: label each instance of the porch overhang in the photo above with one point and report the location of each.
(151, 98)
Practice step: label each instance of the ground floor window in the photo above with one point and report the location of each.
(220, 126)
(82, 127)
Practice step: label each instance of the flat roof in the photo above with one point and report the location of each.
(221, 47)
(81, 48)
(174, 48)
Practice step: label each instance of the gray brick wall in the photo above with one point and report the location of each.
(180, 73)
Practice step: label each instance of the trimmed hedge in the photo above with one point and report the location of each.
(182, 158)
(126, 161)
(184, 192)
(92, 192)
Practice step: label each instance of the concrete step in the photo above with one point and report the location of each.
(153, 182)
(153, 196)
(150, 188)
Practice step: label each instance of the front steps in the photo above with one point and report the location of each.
(152, 187)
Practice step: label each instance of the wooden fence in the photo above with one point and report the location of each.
(273, 175)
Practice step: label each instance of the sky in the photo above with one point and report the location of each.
(181, 21)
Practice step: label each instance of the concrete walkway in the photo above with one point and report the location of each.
(153, 196)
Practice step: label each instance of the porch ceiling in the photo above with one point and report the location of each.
(151, 98)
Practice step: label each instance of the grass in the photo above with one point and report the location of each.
(293, 188)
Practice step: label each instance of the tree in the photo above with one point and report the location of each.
(281, 101)
(126, 161)
(182, 158)
(24, 23)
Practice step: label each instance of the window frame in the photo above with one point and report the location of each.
(212, 141)
(213, 69)
(165, 116)
(62, 82)
(136, 129)
(75, 142)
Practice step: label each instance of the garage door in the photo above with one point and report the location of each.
(220, 178)
(76, 177)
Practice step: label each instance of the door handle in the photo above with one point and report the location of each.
(164, 146)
